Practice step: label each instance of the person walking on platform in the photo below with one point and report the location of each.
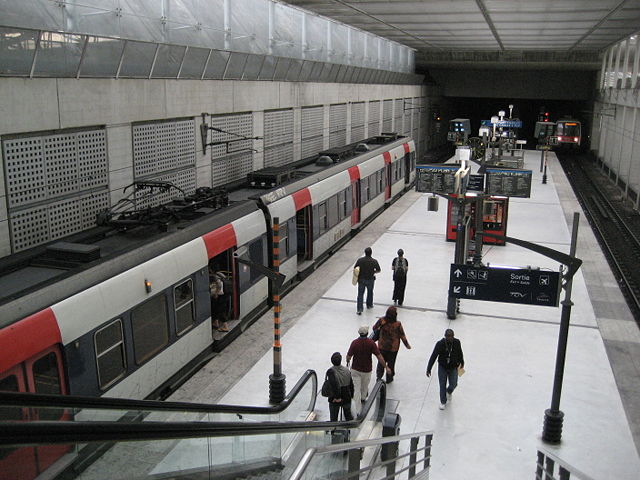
(448, 351)
(400, 267)
(360, 351)
(368, 267)
(390, 333)
(341, 389)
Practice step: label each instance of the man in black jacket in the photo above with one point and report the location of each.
(448, 351)
(369, 266)
(341, 389)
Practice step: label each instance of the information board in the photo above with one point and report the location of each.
(436, 178)
(475, 183)
(509, 182)
(507, 285)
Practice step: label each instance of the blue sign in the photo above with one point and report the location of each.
(512, 123)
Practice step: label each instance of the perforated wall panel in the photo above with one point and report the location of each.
(278, 127)
(278, 137)
(374, 118)
(387, 115)
(312, 122)
(47, 178)
(337, 125)
(311, 146)
(162, 146)
(357, 121)
(398, 115)
(278, 155)
(234, 160)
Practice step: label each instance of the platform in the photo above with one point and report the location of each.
(492, 428)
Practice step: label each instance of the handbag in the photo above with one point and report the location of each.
(461, 371)
(356, 274)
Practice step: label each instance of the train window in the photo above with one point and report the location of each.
(10, 384)
(332, 211)
(380, 181)
(109, 345)
(284, 241)
(342, 205)
(46, 379)
(150, 328)
(185, 314)
(322, 217)
(367, 189)
(255, 255)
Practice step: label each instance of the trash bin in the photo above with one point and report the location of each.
(390, 428)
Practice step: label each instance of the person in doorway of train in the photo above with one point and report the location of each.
(369, 266)
(448, 351)
(341, 389)
(219, 301)
(390, 333)
(360, 351)
(400, 267)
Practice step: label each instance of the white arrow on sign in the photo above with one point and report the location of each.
(456, 289)
(457, 272)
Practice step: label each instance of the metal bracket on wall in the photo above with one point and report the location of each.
(204, 133)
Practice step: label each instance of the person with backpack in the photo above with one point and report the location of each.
(341, 389)
(400, 267)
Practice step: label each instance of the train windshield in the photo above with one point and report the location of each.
(569, 129)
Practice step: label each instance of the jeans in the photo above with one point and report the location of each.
(445, 374)
(362, 284)
(361, 386)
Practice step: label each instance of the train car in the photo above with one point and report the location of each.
(319, 212)
(568, 133)
(125, 310)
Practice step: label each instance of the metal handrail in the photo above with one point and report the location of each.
(108, 403)
(545, 472)
(311, 452)
(60, 432)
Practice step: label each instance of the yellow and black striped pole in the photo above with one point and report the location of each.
(277, 380)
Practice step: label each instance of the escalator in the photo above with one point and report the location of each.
(129, 439)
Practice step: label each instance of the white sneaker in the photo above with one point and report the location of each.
(442, 405)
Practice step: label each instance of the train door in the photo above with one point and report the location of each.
(304, 233)
(41, 374)
(388, 177)
(407, 168)
(355, 202)
(225, 306)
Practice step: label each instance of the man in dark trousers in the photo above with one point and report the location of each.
(400, 267)
(366, 278)
(360, 351)
(341, 389)
(448, 351)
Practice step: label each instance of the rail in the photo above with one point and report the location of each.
(15, 434)
(391, 453)
(546, 468)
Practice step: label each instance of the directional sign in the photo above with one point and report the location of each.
(508, 285)
(509, 182)
(436, 178)
(476, 183)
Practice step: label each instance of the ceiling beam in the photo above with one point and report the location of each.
(487, 18)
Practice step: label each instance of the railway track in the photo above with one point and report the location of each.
(615, 223)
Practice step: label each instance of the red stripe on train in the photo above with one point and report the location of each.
(302, 198)
(387, 157)
(219, 240)
(354, 174)
(407, 149)
(26, 338)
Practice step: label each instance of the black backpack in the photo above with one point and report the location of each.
(400, 270)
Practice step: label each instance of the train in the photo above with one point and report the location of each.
(125, 310)
(568, 133)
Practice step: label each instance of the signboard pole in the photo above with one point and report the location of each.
(459, 254)
(553, 417)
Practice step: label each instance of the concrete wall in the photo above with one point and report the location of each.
(528, 84)
(37, 105)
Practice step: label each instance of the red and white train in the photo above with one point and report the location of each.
(130, 323)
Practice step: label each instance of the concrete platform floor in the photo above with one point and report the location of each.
(493, 426)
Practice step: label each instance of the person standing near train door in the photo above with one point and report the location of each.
(368, 267)
(400, 267)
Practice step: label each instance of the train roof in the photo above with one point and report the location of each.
(37, 278)
(343, 158)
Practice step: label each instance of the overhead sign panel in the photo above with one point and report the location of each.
(436, 178)
(507, 285)
(513, 123)
(509, 182)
